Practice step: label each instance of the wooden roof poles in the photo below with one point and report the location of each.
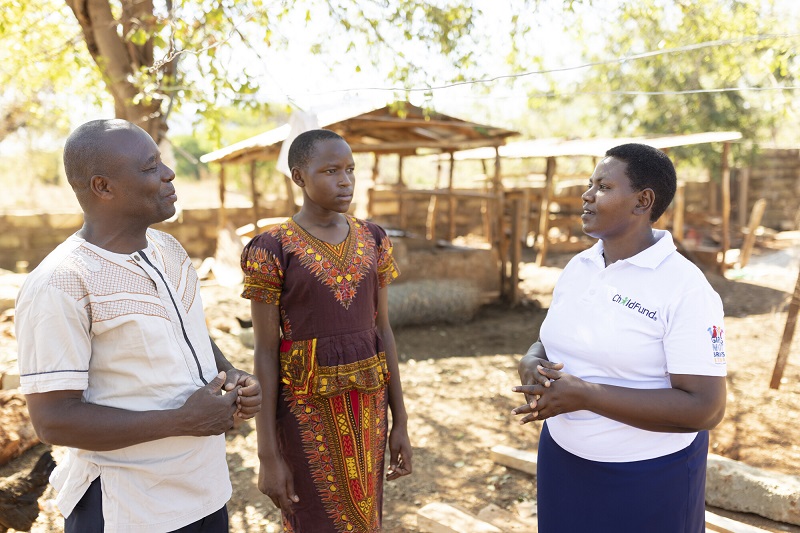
(544, 210)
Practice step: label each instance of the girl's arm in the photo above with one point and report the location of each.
(399, 444)
(274, 475)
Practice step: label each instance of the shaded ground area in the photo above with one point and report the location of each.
(457, 381)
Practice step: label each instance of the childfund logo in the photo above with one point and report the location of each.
(634, 305)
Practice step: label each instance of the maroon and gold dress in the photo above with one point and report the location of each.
(331, 414)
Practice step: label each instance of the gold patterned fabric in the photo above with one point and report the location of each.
(333, 375)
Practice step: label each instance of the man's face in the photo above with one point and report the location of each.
(142, 183)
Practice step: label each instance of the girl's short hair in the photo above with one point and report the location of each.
(302, 147)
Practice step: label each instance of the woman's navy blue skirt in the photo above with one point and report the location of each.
(661, 495)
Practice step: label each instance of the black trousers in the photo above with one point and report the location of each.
(87, 517)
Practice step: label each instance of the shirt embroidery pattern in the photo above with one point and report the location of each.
(174, 270)
(86, 274)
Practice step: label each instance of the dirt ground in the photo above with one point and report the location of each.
(457, 381)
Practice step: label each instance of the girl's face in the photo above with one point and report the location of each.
(328, 179)
(610, 201)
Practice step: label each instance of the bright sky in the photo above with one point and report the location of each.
(333, 77)
(318, 81)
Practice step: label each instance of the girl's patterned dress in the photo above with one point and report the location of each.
(331, 413)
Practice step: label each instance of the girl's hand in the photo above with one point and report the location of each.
(399, 453)
(275, 480)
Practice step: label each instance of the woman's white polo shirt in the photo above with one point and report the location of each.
(631, 324)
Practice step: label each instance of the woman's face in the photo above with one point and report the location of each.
(609, 203)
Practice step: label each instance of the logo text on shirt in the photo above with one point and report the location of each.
(634, 305)
(717, 344)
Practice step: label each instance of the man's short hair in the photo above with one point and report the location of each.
(648, 168)
(302, 148)
(85, 154)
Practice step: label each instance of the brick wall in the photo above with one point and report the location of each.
(30, 237)
(775, 176)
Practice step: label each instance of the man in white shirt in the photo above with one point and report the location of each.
(115, 358)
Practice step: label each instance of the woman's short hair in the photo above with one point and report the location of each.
(302, 147)
(648, 168)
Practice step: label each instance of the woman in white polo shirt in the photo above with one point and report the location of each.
(629, 372)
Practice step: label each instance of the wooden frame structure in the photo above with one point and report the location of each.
(552, 149)
(399, 128)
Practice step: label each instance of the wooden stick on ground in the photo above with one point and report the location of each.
(788, 334)
(750, 238)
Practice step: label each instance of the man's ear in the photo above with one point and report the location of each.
(297, 177)
(644, 202)
(100, 187)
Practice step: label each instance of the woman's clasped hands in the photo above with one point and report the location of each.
(548, 391)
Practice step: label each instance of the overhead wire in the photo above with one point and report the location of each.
(634, 57)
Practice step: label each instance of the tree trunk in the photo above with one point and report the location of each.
(120, 60)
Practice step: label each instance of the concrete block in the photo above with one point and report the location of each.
(522, 460)
(506, 521)
(739, 487)
(442, 518)
(720, 524)
(9, 380)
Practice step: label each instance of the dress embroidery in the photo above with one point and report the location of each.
(344, 439)
(340, 267)
(263, 276)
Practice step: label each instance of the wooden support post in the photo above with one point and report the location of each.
(288, 184)
(400, 182)
(743, 200)
(502, 247)
(544, 211)
(750, 238)
(486, 207)
(222, 218)
(486, 219)
(451, 201)
(430, 222)
(516, 249)
(788, 335)
(680, 207)
(526, 216)
(713, 194)
(375, 176)
(370, 202)
(663, 220)
(402, 210)
(254, 192)
(376, 171)
(726, 205)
